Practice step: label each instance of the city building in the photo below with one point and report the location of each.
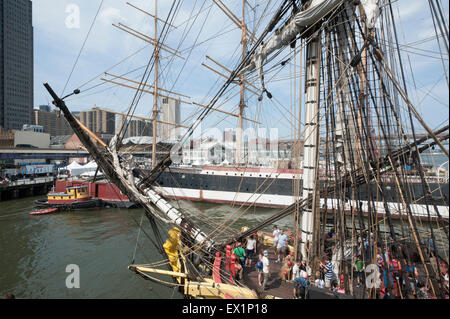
(170, 112)
(135, 127)
(53, 123)
(99, 121)
(16, 63)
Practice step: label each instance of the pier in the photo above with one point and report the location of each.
(26, 188)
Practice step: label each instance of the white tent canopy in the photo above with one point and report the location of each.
(74, 169)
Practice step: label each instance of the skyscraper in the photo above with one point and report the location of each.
(16, 63)
(170, 113)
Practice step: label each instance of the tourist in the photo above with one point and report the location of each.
(300, 285)
(259, 268)
(266, 269)
(327, 265)
(319, 282)
(281, 246)
(276, 233)
(238, 270)
(240, 253)
(359, 270)
(250, 250)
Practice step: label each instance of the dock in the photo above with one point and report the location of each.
(26, 188)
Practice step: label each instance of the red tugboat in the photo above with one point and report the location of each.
(84, 195)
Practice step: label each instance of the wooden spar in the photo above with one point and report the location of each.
(151, 15)
(151, 39)
(225, 68)
(143, 90)
(226, 77)
(198, 104)
(148, 85)
(233, 17)
(95, 137)
(137, 116)
(148, 41)
(225, 112)
(158, 271)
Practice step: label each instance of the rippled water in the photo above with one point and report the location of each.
(35, 250)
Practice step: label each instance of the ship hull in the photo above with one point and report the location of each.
(275, 190)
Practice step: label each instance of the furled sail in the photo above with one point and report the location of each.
(316, 11)
(298, 23)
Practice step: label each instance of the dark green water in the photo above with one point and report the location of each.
(35, 250)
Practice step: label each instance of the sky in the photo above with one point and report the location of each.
(61, 27)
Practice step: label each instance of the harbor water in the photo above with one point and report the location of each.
(35, 250)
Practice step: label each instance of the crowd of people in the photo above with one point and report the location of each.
(394, 280)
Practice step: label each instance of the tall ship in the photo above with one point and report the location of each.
(356, 156)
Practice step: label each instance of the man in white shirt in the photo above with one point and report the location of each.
(281, 246)
(266, 269)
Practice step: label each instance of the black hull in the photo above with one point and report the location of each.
(89, 204)
(191, 179)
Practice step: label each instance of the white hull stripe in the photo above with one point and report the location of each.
(284, 201)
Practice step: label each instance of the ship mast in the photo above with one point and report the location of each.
(155, 95)
(242, 85)
(311, 138)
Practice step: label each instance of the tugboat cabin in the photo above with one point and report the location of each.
(72, 194)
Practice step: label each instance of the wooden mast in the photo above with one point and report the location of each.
(242, 85)
(155, 96)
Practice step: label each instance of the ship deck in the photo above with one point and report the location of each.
(279, 288)
(275, 286)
